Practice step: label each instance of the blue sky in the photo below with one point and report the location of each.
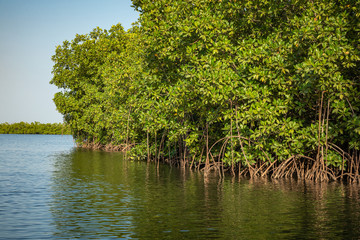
(30, 30)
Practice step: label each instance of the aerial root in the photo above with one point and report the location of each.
(110, 147)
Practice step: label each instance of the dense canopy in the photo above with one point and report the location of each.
(254, 87)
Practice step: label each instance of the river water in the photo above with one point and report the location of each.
(51, 190)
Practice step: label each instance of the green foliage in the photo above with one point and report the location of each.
(35, 128)
(242, 82)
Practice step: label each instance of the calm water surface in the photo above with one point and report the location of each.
(49, 189)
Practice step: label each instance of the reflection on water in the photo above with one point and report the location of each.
(289, 209)
(48, 191)
(25, 179)
(97, 194)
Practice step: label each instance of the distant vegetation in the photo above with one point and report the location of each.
(35, 128)
(253, 87)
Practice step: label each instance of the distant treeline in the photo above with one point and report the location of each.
(35, 128)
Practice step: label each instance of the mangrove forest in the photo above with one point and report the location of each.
(252, 88)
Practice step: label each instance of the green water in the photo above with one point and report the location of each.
(52, 190)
